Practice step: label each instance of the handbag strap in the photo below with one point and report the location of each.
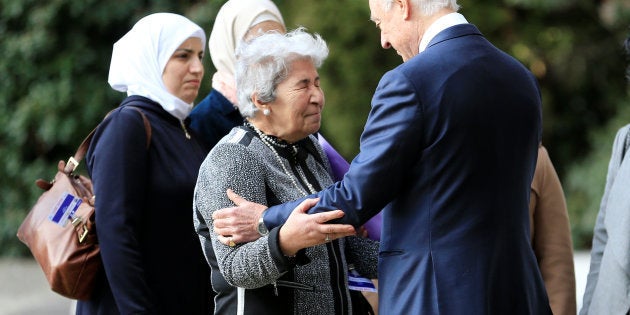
(73, 161)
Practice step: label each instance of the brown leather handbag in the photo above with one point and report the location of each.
(60, 230)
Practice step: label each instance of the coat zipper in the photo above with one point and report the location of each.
(181, 122)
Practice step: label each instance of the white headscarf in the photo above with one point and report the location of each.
(232, 22)
(139, 58)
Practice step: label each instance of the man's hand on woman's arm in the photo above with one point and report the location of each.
(304, 230)
(239, 224)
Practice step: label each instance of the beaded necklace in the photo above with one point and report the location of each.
(271, 143)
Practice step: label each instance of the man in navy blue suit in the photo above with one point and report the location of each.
(448, 152)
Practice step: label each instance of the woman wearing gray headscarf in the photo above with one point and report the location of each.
(144, 181)
(301, 267)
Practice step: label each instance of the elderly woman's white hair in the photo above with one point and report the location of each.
(264, 62)
(428, 7)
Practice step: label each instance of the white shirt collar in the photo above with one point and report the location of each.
(439, 25)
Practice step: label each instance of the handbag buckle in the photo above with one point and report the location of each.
(83, 234)
(74, 162)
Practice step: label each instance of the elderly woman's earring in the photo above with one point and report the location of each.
(266, 112)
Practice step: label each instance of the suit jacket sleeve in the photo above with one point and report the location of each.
(551, 236)
(374, 177)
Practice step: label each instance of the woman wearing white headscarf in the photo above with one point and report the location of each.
(237, 20)
(145, 180)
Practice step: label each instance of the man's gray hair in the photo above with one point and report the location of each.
(264, 62)
(427, 7)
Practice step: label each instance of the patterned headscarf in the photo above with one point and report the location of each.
(139, 58)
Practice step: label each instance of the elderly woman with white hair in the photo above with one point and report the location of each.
(300, 267)
(152, 260)
(237, 20)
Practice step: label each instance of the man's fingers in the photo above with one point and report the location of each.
(335, 231)
(230, 240)
(223, 213)
(236, 199)
(226, 230)
(340, 230)
(224, 239)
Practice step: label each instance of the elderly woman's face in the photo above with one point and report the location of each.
(296, 111)
(183, 72)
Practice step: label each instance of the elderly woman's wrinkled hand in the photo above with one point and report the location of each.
(302, 230)
(236, 225)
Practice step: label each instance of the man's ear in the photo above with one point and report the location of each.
(404, 7)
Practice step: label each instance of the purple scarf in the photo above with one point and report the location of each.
(339, 167)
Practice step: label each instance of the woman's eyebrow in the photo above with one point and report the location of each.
(188, 50)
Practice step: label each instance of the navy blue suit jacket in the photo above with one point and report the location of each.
(449, 151)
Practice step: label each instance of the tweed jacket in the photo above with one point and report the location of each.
(242, 162)
(608, 282)
(551, 236)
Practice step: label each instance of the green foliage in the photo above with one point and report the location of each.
(584, 185)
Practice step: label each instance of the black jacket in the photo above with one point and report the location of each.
(151, 255)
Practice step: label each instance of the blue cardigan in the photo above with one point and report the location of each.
(152, 256)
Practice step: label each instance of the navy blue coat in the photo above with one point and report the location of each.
(151, 254)
(449, 150)
(214, 117)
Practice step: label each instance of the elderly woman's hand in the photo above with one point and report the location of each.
(237, 224)
(302, 230)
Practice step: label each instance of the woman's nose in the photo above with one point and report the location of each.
(196, 66)
(318, 97)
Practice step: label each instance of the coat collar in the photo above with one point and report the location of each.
(454, 32)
